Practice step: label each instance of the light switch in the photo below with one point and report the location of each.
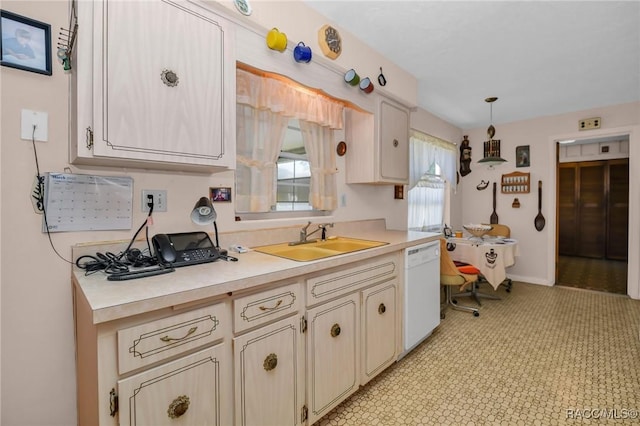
(40, 120)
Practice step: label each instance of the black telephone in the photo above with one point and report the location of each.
(184, 249)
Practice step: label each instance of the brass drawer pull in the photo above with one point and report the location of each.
(264, 308)
(270, 362)
(382, 309)
(335, 330)
(178, 407)
(170, 339)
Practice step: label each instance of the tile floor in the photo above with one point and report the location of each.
(540, 356)
(593, 274)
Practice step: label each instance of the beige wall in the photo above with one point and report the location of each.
(538, 248)
(38, 368)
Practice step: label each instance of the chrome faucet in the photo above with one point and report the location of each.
(304, 235)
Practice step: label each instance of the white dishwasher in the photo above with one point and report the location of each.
(421, 293)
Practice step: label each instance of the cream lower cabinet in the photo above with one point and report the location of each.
(185, 391)
(269, 375)
(351, 338)
(379, 325)
(269, 360)
(284, 354)
(333, 354)
(166, 367)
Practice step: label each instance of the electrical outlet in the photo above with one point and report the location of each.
(159, 200)
(34, 118)
(589, 123)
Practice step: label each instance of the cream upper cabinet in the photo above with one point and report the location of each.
(378, 144)
(150, 93)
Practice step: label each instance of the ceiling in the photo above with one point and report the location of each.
(538, 57)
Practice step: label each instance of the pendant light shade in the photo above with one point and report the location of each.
(491, 151)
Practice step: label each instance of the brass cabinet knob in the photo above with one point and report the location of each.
(382, 309)
(169, 78)
(335, 330)
(178, 407)
(270, 362)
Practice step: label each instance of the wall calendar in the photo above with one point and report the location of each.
(76, 202)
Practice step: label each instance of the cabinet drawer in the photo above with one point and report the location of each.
(188, 391)
(326, 287)
(157, 340)
(260, 308)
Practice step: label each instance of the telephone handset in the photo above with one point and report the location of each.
(183, 249)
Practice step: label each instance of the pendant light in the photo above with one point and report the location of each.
(491, 146)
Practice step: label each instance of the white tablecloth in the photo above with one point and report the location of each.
(491, 255)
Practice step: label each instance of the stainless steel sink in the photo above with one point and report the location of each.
(318, 249)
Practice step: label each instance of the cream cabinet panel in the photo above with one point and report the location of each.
(260, 308)
(158, 95)
(188, 391)
(379, 324)
(393, 140)
(345, 280)
(145, 344)
(378, 144)
(269, 375)
(333, 354)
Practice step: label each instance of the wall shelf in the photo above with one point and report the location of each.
(516, 183)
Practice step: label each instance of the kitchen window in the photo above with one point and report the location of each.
(270, 177)
(432, 175)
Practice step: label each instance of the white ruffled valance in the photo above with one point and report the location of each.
(264, 93)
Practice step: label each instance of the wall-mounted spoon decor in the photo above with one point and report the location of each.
(539, 221)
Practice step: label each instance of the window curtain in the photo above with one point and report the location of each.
(264, 106)
(281, 96)
(318, 143)
(259, 137)
(432, 161)
(426, 150)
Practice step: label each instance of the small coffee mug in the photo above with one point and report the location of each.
(352, 77)
(276, 40)
(302, 53)
(366, 85)
(458, 234)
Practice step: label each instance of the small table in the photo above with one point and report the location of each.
(490, 255)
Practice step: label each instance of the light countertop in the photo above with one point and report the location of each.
(111, 300)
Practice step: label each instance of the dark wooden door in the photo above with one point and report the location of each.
(593, 200)
(618, 210)
(568, 214)
(591, 210)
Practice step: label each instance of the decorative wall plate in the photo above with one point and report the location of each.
(243, 6)
(341, 149)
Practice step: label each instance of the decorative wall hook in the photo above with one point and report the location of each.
(482, 185)
(67, 39)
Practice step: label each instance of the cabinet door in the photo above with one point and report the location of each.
(269, 375)
(193, 390)
(333, 354)
(379, 320)
(161, 93)
(393, 139)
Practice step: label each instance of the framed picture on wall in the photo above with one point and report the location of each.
(25, 43)
(220, 194)
(522, 156)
